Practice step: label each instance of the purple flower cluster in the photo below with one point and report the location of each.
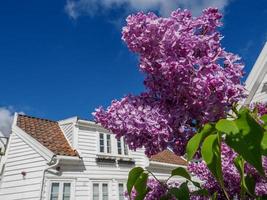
(259, 107)
(189, 78)
(156, 189)
(230, 174)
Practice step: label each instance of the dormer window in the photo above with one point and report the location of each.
(122, 147)
(104, 143)
(125, 147)
(108, 144)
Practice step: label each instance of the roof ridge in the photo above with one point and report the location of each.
(44, 119)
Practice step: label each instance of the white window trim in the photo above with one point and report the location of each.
(113, 145)
(61, 182)
(101, 182)
(122, 148)
(105, 143)
(124, 188)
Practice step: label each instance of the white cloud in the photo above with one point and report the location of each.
(76, 8)
(6, 119)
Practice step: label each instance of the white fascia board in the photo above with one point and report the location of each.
(42, 150)
(256, 75)
(91, 124)
(68, 120)
(70, 158)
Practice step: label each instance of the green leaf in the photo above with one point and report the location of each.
(264, 144)
(194, 142)
(211, 154)
(264, 118)
(196, 184)
(134, 174)
(180, 171)
(239, 164)
(247, 141)
(214, 196)
(181, 193)
(227, 126)
(140, 184)
(250, 185)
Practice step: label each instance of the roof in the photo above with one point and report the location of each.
(169, 157)
(46, 132)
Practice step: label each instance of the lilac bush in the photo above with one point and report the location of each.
(190, 79)
(231, 175)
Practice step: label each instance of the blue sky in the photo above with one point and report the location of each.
(64, 58)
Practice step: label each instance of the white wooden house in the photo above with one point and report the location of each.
(71, 159)
(256, 82)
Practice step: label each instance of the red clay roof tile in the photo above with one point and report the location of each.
(46, 132)
(169, 157)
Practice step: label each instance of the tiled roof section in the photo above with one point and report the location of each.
(46, 132)
(169, 157)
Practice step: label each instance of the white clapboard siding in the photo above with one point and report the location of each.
(68, 131)
(261, 93)
(21, 158)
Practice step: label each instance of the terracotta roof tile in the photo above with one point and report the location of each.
(46, 132)
(169, 157)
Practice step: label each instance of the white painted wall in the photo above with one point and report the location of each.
(21, 157)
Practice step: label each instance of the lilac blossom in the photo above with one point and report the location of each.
(156, 189)
(189, 80)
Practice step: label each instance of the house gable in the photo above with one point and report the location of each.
(47, 133)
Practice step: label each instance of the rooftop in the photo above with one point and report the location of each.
(46, 132)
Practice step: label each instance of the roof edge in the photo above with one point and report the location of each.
(33, 143)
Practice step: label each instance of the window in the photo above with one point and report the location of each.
(101, 143)
(121, 191)
(100, 191)
(108, 144)
(54, 191)
(122, 147)
(66, 191)
(119, 146)
(125, 147)
(95, 191)
(105, 191)
(60, 191)
(104, 143)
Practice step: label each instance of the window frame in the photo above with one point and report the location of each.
(100, 188)
(123, 145)
(113, 146)
(105, 135)
(124, 188)
(61, 188)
